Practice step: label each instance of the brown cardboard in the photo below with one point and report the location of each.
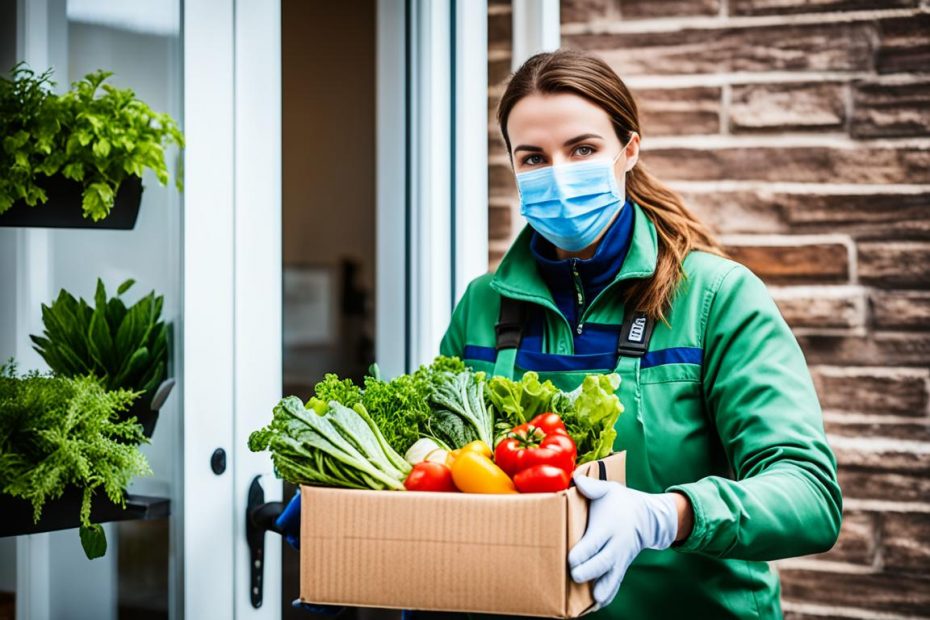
(502, 554)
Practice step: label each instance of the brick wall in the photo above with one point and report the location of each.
(801, 131)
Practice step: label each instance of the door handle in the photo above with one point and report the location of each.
(260, 516)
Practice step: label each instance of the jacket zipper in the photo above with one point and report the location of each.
(579, 295)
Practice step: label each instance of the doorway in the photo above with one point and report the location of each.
(328, 81)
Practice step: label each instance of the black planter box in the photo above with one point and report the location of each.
(64, 513)
(64, 210)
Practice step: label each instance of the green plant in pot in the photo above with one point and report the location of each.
(124, 347)
(61, 441)
(94, 134)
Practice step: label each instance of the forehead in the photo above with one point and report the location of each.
(539, 119)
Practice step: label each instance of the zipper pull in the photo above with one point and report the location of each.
(579, 328)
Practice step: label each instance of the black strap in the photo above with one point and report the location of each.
(510, 322)
(634, 335)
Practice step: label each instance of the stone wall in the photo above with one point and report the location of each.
(801, 131)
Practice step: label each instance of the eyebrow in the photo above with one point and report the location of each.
(575, 140)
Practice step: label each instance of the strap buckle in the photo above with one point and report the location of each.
(635, 335)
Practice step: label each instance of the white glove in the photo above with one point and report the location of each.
(621, 523)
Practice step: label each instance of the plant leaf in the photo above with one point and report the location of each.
(93, 540)
(125, 286)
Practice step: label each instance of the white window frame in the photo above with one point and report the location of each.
(431, 171)
(536, 28)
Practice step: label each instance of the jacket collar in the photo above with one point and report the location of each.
(518, 275)
(595, 272)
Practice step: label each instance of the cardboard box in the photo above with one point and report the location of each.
(502, 554)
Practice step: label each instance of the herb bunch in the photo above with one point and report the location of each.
(57, 432)
(95, 134)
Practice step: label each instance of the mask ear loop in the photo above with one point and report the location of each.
(623, 150)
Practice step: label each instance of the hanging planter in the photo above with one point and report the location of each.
(66, 453)
(76, 160)
(63, 207)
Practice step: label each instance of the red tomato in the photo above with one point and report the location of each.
(542, 479)
(541, 441)
(429, 476)
(548, 422)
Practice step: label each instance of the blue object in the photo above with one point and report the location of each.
(288, 522)
(621, 523)
(571, 204)
(325, 610)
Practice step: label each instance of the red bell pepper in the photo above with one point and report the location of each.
(538, 445)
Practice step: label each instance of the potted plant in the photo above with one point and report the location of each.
(124, 347)
(60, 443)
(78, 155)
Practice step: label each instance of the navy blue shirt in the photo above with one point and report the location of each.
(575, 282)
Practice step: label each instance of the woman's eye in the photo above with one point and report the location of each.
(584, 150)
(532, 160)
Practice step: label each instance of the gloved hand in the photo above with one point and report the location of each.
(621, 523)
(288, 522)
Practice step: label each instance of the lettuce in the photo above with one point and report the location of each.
(595, 409)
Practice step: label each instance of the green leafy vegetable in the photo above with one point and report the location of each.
(462, 394)
(123, 347)
(95, 134)
(450, 430)
(590, 413)
(329, 444)
(400, 408)
(57, 432)
(517, 402)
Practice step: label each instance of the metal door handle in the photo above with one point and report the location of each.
(260, 516)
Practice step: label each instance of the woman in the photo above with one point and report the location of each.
(727, 463)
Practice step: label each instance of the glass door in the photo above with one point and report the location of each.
(212, 251)
(140, 43)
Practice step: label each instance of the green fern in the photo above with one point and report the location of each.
(57, 432)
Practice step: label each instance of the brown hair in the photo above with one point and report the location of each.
(679, 231)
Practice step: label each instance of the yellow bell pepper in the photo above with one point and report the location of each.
(476, 446)
(474, 472)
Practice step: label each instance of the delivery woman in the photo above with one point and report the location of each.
(727, 463)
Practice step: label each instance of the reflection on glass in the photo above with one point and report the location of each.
(139, 41)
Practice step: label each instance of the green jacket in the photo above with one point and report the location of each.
(721, 408)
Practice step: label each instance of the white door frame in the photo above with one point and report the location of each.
(232, 293)
(431, 171)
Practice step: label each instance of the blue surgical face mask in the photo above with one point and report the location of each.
(570, 204)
